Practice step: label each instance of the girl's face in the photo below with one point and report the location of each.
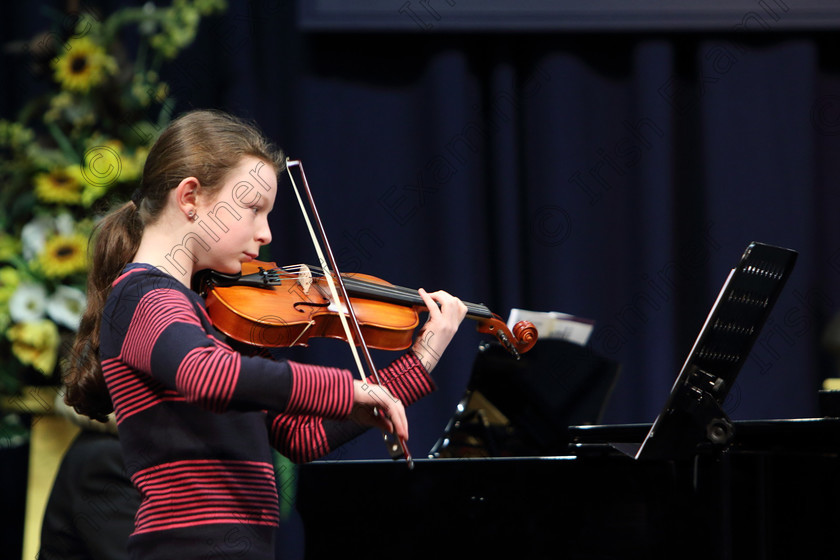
(234, 223)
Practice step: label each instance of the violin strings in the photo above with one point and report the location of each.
(398, 293)
(382, 290)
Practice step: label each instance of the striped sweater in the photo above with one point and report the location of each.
(197, 419)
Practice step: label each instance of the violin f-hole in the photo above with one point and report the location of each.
(298, 304)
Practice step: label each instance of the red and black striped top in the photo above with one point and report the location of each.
(197, 419)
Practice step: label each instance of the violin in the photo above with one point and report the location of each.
(266, 305)
(270, 306)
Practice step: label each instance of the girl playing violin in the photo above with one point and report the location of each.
(196, 418)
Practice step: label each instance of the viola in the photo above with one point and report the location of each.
(270, 306)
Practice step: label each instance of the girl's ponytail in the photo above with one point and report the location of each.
(113, 244)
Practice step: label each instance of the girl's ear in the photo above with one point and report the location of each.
(186, 196)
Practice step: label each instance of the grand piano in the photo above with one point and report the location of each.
(773, 493)
(526, 472)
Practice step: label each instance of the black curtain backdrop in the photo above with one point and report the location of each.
(617, 177)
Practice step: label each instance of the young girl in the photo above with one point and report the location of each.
(195, 417)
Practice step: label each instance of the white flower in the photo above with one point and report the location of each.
(28, 302)
(34, 235)
(66, 306)
(64, 224)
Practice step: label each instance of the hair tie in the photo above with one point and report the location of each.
(137, 197)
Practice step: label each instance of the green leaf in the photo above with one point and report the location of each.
(63, 143)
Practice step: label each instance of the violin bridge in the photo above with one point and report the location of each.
(305, 278)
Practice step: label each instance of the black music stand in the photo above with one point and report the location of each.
(693, 415)
(524, 407)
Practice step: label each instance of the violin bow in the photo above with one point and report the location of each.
(333, 276)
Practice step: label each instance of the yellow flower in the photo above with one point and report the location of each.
(59, 186)
(58, 105)
(35, 343)
(64, 255)
(9, 246)
(9, 280)
(105, 165)
(84, 65)
(133, 168)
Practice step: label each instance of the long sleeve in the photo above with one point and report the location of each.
(167, 340)
(304, 438)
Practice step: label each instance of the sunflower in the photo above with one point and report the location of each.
(64, 255)
(59, 186)
(84, 65)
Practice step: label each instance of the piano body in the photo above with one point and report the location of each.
(774, 493)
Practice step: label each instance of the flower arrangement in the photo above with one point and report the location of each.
(69, 154)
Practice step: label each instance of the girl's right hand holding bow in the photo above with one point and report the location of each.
(390, 412)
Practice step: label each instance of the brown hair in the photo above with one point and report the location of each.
(203, 144)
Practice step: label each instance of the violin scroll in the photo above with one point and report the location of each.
(522, 339)
(525, 334)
